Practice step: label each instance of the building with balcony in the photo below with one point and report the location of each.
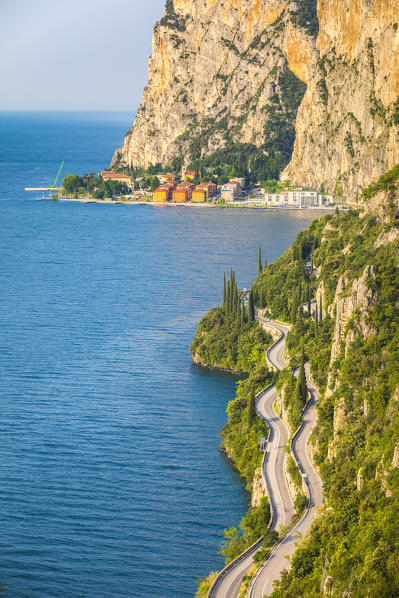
(231, 190)
(203, 192)
(297, 198)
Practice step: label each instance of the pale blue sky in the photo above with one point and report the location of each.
(75, 54)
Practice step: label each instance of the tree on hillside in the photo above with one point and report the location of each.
(224, 289)
(238, 310)
(231, 300)
(309, 301)
(260, 266)
(294, 308)
(302, 387)
(251, 410)
(154, 183)
(243, 314)
(251, 307)
(72, 183)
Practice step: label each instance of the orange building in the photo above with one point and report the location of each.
(210, 187)
(203, 192)
(164, 192)
(183, 192)
(180, 195)
(161, 194)
(187, 175)
(199, 195)
(166, 178)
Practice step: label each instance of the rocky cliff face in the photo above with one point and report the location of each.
(217, 75)
(229, 72)
(347, 130)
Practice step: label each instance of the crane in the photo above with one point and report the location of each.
(57, 177)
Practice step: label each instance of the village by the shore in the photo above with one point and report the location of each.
(182, 190)
(190, 189)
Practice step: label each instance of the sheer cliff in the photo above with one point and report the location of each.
(347, 130)
(309, 89)
(223, 74)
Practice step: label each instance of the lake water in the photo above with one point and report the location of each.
(111, 479)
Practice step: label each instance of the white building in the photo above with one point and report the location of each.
(231, 190)
(297, 198)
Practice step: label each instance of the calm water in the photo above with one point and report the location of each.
(111, 481)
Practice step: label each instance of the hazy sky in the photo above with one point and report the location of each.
(75, 54)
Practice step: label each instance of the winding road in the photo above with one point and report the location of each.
(228, 583)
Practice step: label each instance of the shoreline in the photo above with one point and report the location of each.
(234, 205)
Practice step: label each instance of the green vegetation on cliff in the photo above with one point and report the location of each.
(353, 546)
(223, 342)
(255, 161)
(227, 337)
(386, 182)
(339, 286)
(306, 16)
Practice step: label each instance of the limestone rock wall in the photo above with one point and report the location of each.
(258, 488)
(214, 69)
(216, 66)
(347, 130)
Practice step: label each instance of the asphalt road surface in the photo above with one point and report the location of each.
(229, 585)
(278, 561)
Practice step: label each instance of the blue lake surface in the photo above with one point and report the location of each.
(111, 479)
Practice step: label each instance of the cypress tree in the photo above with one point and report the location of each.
(260, 267)
(228, 293)
(238, 310)
(251, 410)
(243, 314)
(235, 297)
(316, 322)
(224, 290)
(298, 394)
(265, 266)
(321, 310)
(303, 387)
(251, 307)
(304, 297)
(294, 308)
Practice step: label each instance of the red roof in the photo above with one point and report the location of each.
(108, 174)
